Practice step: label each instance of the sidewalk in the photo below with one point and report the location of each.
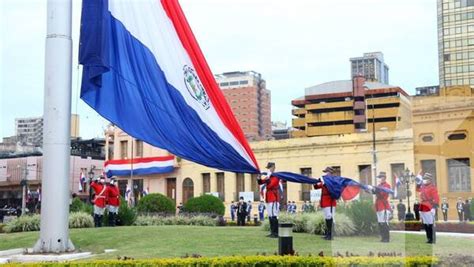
(437, 233)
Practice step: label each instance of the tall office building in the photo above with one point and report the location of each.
(372, 66)
(250, 101)
(456, 42)
(30, 130)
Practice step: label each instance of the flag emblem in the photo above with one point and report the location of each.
(195, 88)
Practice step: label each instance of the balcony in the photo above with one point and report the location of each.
(330, 130)
(299, 122)
(298, 112)
(330, 116)
(382, 100)
(383, 112)
(330, 105)
(298, 134)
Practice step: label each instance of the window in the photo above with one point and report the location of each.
(459, 176)
(234, 83)
(139, 148)
(221, 185)
(427, 138)
(123, 149)
(429, 166)
(188, 189)
(306, 188)
(457, 136)
(244, 82)
(365, 177)
(239, 184)
(224, 84)
(447, 57)
(206, 183)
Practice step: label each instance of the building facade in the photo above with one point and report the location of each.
(343, 107)
(30, 130)
(280, 130)
(372, 66)
(456, 42)
(250, 101)
(29, 167)
(351, 154)
(443, 127)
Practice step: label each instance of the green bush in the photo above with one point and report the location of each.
(199, 220)
(205, 204)
(250, 261)
(25, 223)
(156, 203)
(362, 213)
(126, 216)
(78, 205)
(80, 220)
(314, 223)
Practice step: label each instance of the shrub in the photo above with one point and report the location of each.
(205, 204)
(248, 261)
(80, 220)
(126, 215)
(202, 221)
(175, 220)
(156, 203)
(1, 228)
(363, 215)
(78, 205)
(23, 224)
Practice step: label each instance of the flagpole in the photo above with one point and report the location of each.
(54, 229)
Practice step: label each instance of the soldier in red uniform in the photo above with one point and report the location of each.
(382, 207)
(100, 190)
(272, 197)
(113, 202)
(327, 203)
(429, 203)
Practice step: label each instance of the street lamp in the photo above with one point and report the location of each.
(91, 176)
(408, 178)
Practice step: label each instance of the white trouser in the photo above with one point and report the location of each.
(273, 209)
(112, 209)
(383, 216)
(98, 210)
(428, 217)
(329, 212)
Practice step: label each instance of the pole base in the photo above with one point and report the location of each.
(49, 246)
(409, 217)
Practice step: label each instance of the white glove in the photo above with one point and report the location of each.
(419, 179)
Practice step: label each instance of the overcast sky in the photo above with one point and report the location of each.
(294, 44)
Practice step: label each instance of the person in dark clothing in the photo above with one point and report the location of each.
(444, 209)
(460, 209)
(241, 212)
(401, 210)
(467, 211)
(416, 209)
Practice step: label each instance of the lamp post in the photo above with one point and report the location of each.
(24, 185)
(91, 176)
(407, 179)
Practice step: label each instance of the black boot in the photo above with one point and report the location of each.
(111, 219)
(329, 229)
(99, 220)
(96, 220)
(275, 227)
(433, 234)
(429, 235)
(382, 232)
(272, 222)
(386, 233)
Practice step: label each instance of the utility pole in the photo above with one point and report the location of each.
(374, 149)
(54, 229)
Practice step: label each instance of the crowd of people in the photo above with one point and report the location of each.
(463, 209)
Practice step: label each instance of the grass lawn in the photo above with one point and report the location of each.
(177, 241)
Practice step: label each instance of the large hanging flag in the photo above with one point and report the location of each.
(139, 166)
(144, 72)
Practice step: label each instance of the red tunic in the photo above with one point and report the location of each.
(272, 188)
(381, 201)
(428, 196)
(326, 199)
(100, 194)
(113, 196)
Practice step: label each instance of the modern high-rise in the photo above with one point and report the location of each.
(456, 42)
(372, 66)
(250, 101)
(345, 107)
(30, 130)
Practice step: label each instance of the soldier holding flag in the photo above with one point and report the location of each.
(272, 197)
(382, 206)
(429, 203)
(100, 190)
(328, 204)
(113, 201)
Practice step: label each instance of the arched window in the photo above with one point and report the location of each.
(188, 189)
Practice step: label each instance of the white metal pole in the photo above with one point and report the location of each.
(54, 231)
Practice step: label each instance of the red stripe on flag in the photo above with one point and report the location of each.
(350, 192)
(138, 160)
(185, 34)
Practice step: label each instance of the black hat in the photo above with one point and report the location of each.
(329, 169)
(382, 175)
(270, 164)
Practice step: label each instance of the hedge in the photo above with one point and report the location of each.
(243, 261)
(205, 204)
(156, 203)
